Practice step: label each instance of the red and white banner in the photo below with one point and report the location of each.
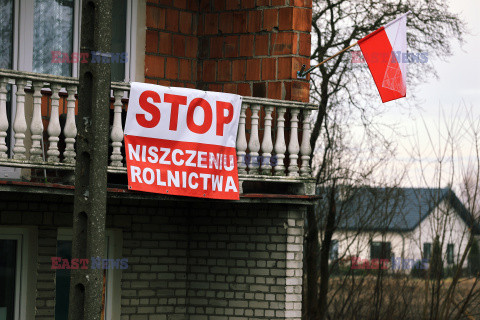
(389, 73)
(182, 141)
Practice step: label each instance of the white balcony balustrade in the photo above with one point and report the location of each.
(32, 134)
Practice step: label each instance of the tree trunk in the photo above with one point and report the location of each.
(324, 254)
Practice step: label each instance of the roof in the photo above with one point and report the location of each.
(393, 209)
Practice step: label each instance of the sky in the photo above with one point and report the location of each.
(458, 84)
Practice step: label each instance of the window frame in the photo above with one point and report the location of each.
(113, 249)
(21, 235)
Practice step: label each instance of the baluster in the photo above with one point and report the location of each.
(54, 128)
(280, 147)
(117, 131)
(254, 143)
(70, 129)
(3, 118)
(293, 147)
(20, 123)
(36, 126)
(242, 141)
(267, 145)
(306, 149)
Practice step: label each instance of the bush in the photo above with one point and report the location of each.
(418, 271)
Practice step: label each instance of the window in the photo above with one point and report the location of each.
(450, 253)
(334, 250)
(111, 281)
(427, 250)
(31, 29)
(380, 250)
(13, 274)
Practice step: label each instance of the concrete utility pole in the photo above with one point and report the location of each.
(92, 159)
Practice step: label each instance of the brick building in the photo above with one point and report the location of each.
(187, 258)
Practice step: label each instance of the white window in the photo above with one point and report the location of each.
(13, 273)
(113, 250)
(30, 30)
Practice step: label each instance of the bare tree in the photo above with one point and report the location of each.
(341, 89)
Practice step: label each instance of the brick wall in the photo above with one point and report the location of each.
(241, 46)
(187, 260)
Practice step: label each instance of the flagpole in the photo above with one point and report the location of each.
(303, 73)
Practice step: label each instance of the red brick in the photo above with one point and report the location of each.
(178, 45)
(300, 91)
(238, 70)
(230, 88)
(278, 2)
(284, 68)
(301, 3)
(248, 4)
(165, 44)
(231, 46)
(215, 87)
(204, 5)
(219, 5)
(211, 23)
(254, 21)
(186, 22)
(209, 71)
(246, 46)
(285, 18)
(263, 3)
(302, 19)
(192, 5)
(244, 89)
(233, 4)
(253, 69)
(216, 47)
(261, 45)
(297, 63)
(240, 22)
(270, 19)
(305, 44)
(224, 70)
(172, 20)
(191, 45)
(269, 69)
(274, 90)
(171, 68)
(165, 2)
(154, 66)
(225, 22)
(284, 43)
(259, 90)
(182, 4)
(151, 41)
(185, 69)
(155, 17)
(152, 81)
(165, 83)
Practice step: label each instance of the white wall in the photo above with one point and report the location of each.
(409, 245)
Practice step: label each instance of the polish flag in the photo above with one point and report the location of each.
(385, 52)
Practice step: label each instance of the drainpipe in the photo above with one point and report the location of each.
(90, 202)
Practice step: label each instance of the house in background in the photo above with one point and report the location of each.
(187, 258)
(388, 223)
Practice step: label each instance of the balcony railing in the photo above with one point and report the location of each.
(31, 106)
